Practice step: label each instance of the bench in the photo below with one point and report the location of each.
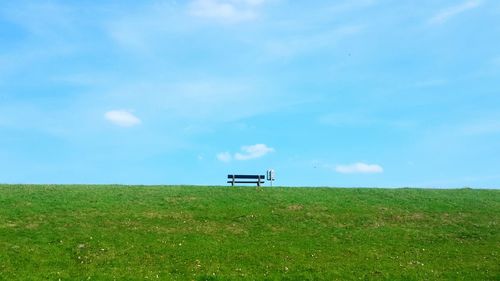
(258, 179)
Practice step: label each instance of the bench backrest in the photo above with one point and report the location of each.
(260, 177)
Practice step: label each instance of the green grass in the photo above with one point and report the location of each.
(224, 233)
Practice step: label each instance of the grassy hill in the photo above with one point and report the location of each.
(224, 233)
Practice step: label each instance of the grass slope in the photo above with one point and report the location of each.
(224, 233)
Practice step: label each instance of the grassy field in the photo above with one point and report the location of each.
(224, 233)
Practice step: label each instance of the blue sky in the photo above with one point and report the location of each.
(328, 93)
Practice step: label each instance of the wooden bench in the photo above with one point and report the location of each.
(257, 179)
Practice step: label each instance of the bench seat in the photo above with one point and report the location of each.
(255, 179)
(244, 181)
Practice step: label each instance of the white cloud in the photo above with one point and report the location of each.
(253, 151)
(122, 118)
(450, 12)
(359, 168)
(228, 11)
(224, 157)
(248, 152)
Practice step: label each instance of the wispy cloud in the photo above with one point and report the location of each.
(227, 11)
(342, 119)
(224, 157)
(310, 41)
(446, 14)
(122, 118)
(430, 83)
(207, 101)
(253, 151)
(248, 152)
(483, 127)
(45, 19)
(359, 168)
(144, 30)
(496, 61)
(364, 118)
